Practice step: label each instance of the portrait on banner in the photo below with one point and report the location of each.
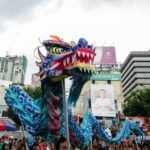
(102, 100)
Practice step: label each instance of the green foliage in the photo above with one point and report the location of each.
(35, 93)
(138, 104)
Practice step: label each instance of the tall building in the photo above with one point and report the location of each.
(13, 68)
(135, 71)
(35, 81)
(3, 106)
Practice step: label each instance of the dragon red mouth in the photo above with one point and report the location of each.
(82, 57)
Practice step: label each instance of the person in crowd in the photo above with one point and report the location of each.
(145, 145)
(114, 129)
(36, 147)
(1, 142)
(95, 142)
(37, 140)
(108, 131)
(144, 129)
(44, 145)
(61, 144)
(5, 146)
(85, 148)
(52, 146)
(13, 147)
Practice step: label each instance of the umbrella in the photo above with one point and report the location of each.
(7, 125)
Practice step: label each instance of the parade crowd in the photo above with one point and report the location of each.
(130, 143)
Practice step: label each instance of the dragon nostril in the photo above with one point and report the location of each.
(89, 46)
(79, 46)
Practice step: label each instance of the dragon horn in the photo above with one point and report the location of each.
(40, 54)
(94, 49)
(54, 37)
(38, 64)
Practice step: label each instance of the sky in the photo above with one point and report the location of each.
(124, 24)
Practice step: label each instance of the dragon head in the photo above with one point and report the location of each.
(64, 59)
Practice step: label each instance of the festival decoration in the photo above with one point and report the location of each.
(45, 116)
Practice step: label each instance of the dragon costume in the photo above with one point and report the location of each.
(45, 116)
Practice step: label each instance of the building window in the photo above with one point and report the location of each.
(16, 72)
(99, 118)
(109, 81)
(4, 113)
(93, 81)
(89, 103)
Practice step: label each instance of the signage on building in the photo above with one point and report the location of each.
(115, 76)
(108, 55)
(102, 100)
(105, 55)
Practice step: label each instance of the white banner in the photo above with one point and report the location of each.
(102, 100)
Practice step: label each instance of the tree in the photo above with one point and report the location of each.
(35, 93)
(138, 103)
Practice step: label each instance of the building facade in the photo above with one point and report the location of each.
(3, 106)
(35, 81)
(13, 69)
(135, 71)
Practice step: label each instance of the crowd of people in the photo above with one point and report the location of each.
(10, 143)
(130, 143)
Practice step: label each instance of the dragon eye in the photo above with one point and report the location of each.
(56, 50)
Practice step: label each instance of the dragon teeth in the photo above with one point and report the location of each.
(83, 54)
(64, 62)
(68, 59)
(87, 55)
(73, 58)
(79, 53)
(92, 56)
(80, 69)
(90, 62)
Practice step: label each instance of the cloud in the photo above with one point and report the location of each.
(22, 10)
(96, 4)
(13, 9)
